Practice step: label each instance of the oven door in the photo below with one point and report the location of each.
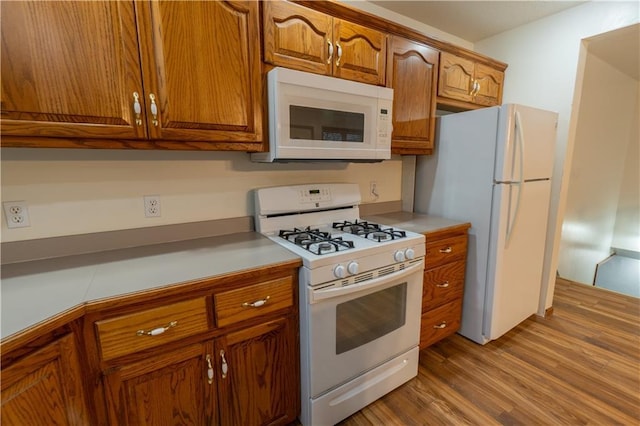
(355, 328)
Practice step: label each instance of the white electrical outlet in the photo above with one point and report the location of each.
(17, 214)
(373, 190)
(152, 206)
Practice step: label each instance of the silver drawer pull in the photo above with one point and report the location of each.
(158, 330)
(209, 370)
(442, 325)
(225, 366)
(446, 250)
(255, 304)
(443, 285)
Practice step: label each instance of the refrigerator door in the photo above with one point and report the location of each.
(457, 182)
(526, 147)
(516, 271)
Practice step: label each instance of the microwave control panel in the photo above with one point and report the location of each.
(314, 195)
(384, 122)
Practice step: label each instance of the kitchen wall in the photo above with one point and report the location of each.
(606, 118)
(543, 60)
(83, 191)
(626, 234)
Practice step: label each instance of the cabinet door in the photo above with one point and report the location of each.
(170, 388)
(412, 73)
(45, 388)
(491, 82)
(456, 77)
(297, 37)
(70, 69)
(261, 385)
(201, 62)
(360, 53)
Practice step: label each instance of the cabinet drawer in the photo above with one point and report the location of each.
(439, 323)
(445, 251)
(145, 329)
(442, 284)
(252, 301)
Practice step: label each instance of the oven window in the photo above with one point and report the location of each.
(325, 124)
(362, 320)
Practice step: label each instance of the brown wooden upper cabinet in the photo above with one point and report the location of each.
(304, 39)
(465, 80)
(412, 72)
(182, 75)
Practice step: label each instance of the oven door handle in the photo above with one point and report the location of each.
(321, 294)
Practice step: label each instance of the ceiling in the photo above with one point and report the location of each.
(475, 20)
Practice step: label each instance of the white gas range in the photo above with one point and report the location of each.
(360, 296)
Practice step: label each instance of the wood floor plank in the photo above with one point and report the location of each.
(580, 366)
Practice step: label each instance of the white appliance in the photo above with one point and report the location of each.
(360, 296)
(493, 167)
(315, 117)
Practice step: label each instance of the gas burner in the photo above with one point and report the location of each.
(370, 231)
(299, 236)
(387, 234)
(356, 227)
(316, 241)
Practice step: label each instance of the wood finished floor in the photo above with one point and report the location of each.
(580, 366)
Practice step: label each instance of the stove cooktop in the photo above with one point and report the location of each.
(341, 236)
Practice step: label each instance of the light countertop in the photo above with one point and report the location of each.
(414, 222)
(35, 291)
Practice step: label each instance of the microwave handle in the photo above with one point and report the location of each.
(321, 294)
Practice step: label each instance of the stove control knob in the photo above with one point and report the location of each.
(352, 267)
(340, 271)
(399, 256)
(409, 253)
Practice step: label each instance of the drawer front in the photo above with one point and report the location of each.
(249, 302)
(442, 284)
(439, 323)
(445, 251)
(142, 330)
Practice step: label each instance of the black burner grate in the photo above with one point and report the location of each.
(370, 231)
(315, 241)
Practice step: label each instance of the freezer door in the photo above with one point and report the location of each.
(526, 143)
(518, 247)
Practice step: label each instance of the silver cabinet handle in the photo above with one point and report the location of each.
(442, 325)
(256, 304)
(158, 330)
(209, 370)
(137, 109)
(446, 250)
(330, 51)
(476, 88)
(339, 54)
(225, 367)
(154, 109)
(443, 285)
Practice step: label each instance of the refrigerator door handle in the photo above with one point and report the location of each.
(520, 143)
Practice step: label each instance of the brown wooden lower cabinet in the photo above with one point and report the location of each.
(260, 386)
(443, 284)
(45, 387)
(245, 372)
(169, 388)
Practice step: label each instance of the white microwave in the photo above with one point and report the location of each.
(315, 117)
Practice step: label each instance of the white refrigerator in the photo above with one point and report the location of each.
(493, 167)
